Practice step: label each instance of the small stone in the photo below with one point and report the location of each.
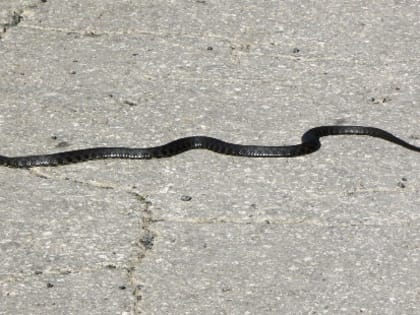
(186, 198)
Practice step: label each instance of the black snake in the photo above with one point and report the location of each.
(310, 143)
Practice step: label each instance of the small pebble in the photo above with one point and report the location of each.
(186, 198)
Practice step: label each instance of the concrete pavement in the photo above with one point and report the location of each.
(335, 232)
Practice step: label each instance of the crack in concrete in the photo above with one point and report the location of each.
(145, 240)
(238, 48)
(147, 236)
(37, 171)
(145, 244)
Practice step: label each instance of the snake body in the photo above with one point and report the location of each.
(310, 143)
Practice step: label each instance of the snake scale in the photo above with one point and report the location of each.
(310, 143)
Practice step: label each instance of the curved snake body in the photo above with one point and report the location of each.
(310, 143)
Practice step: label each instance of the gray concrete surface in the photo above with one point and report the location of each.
(336, 232)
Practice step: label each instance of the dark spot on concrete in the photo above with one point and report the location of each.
(209, 48)
(15, 19)
(296, 50)
(129, 103)
(91, 34)
(226, 289)
(122, 287)
(380, 100)
(50, 285)
(147, 240)
(241, 47)
(186, 198)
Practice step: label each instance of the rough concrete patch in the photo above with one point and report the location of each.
(12, 13)
(12, 20)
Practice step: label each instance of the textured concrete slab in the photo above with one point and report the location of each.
(83, 291)
(288, 268)
(67, 246)
(333, 232)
